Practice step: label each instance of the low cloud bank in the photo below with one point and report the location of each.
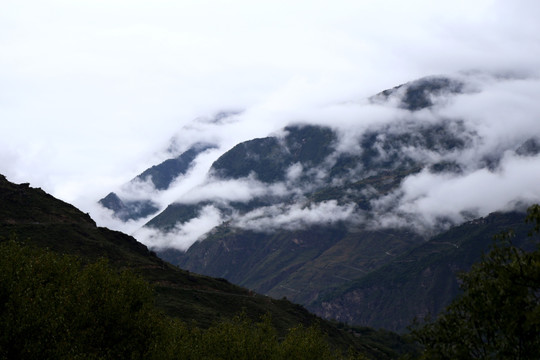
(482, 130)
(502, 115)
(183, 235)
(265, 219)
(429, 202)
(91, 92)
(296, 216)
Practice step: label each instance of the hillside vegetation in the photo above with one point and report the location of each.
(498, 314)
(57, 305)
(187, 304)
(54, 307)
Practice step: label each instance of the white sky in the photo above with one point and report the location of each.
(92, 91)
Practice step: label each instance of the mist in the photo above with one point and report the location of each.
(92, 94)
(493, 117)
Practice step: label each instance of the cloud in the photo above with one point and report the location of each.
(183, 235)
(428, 202)
(501, 116)
(296, 216)
(504, 112)
(241, 190)
(91, 93)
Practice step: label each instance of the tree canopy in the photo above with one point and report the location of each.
(498, 314)
(55, 307)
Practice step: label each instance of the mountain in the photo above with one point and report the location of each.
(36, 218)
(301, 263)
(160, 177)
(315, 211)
(423, 280)
(419, 94)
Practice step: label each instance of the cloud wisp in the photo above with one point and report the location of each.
(183, 235)
(296, 216)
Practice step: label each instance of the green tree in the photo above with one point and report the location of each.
(498, 314)
(53, 307)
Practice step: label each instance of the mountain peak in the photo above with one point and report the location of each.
(420, 94)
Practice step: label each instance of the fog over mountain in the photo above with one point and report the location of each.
(321, 151)
(92, 93)
(476, 136)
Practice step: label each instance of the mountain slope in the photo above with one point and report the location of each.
(295, 264)
(160, 177)
(423, 280)
(269, 158)
(321, 204)
(300, 261)
(36, 218)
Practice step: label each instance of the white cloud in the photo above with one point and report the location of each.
(241, 190)
(92, 92)
(296, 216)
(183, 235)
(426, 199)
(294, 172)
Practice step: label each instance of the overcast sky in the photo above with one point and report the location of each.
(92, 91)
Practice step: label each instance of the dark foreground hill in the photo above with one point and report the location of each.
(36, 218)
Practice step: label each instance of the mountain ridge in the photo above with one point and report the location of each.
(426, 273)
(160, 176)
(36, 218)
(315, 206)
